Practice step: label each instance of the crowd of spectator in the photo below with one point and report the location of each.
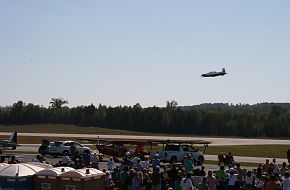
(134, 174)
(131, 175)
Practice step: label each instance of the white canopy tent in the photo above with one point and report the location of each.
(3, 164)
(19, 170)
(40, 164)
(54, 171)
(82, 173)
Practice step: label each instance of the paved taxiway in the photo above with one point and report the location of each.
(52, 160)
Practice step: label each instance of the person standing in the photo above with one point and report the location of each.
(72, 149)
(65, 160)
(286, 182)
(203, 185)
(211, 181)
(273, 184)
(233, 178)
(249, 180)
(156, 178)
(111, 164)
(136, 183)
(186, 183)
(275, 167)
(139, 166)
(124, 177)
(288, 155)
(86, 159)
(188, 164)
(95, 161)
(241, 174)
(146, 163)
(155, 161)
(221, 176)
(283, 169)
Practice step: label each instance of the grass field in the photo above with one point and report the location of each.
(61, 128)
(270, 151)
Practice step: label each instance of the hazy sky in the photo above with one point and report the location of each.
(127, 52)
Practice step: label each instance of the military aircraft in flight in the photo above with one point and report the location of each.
(214, 73)
(9, 144)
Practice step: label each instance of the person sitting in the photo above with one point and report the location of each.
(13, 160)
(65, 160)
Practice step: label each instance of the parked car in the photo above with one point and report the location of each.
(43, 149)
(174, 152)
(59, 148)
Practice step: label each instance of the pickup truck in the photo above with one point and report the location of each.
(59, 148)
(177, 152)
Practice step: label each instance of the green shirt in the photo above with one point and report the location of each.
(220, 175)
(188, 165)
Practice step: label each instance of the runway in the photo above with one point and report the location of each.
(214, 141)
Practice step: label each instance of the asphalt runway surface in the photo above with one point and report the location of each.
(214, 141)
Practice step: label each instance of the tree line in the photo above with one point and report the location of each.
(259, 120)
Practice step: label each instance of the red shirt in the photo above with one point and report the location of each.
(272, 185)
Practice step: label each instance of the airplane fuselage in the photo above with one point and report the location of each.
(214, 73)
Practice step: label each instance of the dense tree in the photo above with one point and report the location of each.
(57, 103)
(267, 119)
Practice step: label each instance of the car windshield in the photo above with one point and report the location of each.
(57, 143)
(78, 144)
(171, 147)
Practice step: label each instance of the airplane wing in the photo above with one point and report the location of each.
(118, 141)
(144, 141)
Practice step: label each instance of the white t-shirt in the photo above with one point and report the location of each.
(286, 184)
(186, 184)
(95, 159)
(146, 164)
(275, 169)
(65, 160)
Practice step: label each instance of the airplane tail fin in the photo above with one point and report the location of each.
(224, 70)
(13, 138)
